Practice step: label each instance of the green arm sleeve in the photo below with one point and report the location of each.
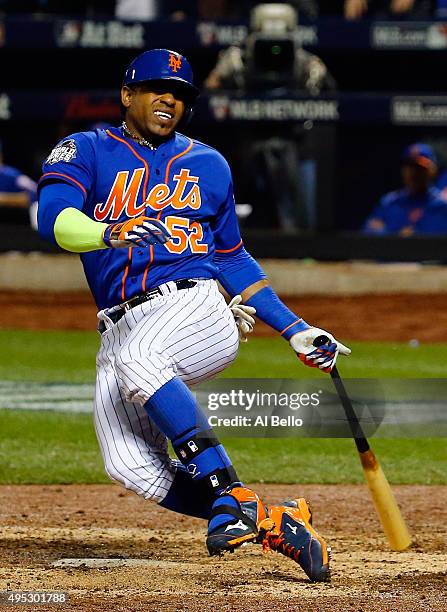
(76, 232)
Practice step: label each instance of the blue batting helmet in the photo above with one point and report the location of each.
(161, 65)
(420, 154)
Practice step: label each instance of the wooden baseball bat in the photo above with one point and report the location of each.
(389, 513)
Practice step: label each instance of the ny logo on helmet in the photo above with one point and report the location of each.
(175, 62)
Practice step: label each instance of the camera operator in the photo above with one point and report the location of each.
(272, 57)
(277, 164)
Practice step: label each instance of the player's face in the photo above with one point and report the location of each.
(152, 109)
(416, 178)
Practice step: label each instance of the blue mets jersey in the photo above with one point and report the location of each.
(183, 182)
(400, 212)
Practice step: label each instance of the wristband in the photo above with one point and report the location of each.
(271, 310)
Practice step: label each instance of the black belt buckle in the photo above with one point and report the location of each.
(184, 283)
(140, 299)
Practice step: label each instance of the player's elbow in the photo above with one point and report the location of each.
(45, 223)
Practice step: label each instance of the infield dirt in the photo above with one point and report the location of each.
(40, 525)
(172, 572)
(390, 318)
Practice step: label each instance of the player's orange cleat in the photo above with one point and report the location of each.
(234, 519)
(288, 530)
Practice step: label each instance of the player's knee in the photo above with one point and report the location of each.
(140, 378)
(113, 473)
(126, 370)
(150, 485)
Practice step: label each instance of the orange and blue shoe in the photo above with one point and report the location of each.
(234, 519)
(288, 530)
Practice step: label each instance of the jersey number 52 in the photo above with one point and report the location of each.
(185, 233)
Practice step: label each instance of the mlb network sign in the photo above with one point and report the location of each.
(224, 108)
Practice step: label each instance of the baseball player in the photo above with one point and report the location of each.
(418, 208)
(17, 190)
(152, 213)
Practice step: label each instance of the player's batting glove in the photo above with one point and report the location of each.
(242, 315)
(140, 231)
(318, 348)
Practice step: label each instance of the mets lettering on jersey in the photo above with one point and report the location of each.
(125, 194)
(183, 182)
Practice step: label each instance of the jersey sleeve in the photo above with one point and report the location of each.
(71, 161)
(53, 199)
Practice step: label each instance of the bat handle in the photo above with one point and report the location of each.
(321, 341)
(335, 374)
(356, 429)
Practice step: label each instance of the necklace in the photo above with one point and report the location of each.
(141, 141)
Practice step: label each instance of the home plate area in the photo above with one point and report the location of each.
(111, 550)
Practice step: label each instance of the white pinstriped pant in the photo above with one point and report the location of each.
(189, 333)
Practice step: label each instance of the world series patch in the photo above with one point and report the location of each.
(66, 151)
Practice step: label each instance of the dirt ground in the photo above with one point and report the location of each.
(366, 317)
(161, 557)
(167, 567)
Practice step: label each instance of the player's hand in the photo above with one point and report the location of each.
(138, 232)
(318, 348)
(243, 316)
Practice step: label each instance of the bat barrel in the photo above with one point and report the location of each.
(393, 524)
(385, 503)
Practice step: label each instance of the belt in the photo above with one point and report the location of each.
(116, 315)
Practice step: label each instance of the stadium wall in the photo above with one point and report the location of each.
(40, 272)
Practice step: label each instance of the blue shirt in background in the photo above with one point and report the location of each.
(401, 212)
(14, 181)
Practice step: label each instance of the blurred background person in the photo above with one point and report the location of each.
(378, 9)
(137, 10)
(441, 182)
(212, 9)
(309, 8)
(277, 163)
(18, 193)
(78, 8)
(419, 207)
(205, 10)
(440, 148)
